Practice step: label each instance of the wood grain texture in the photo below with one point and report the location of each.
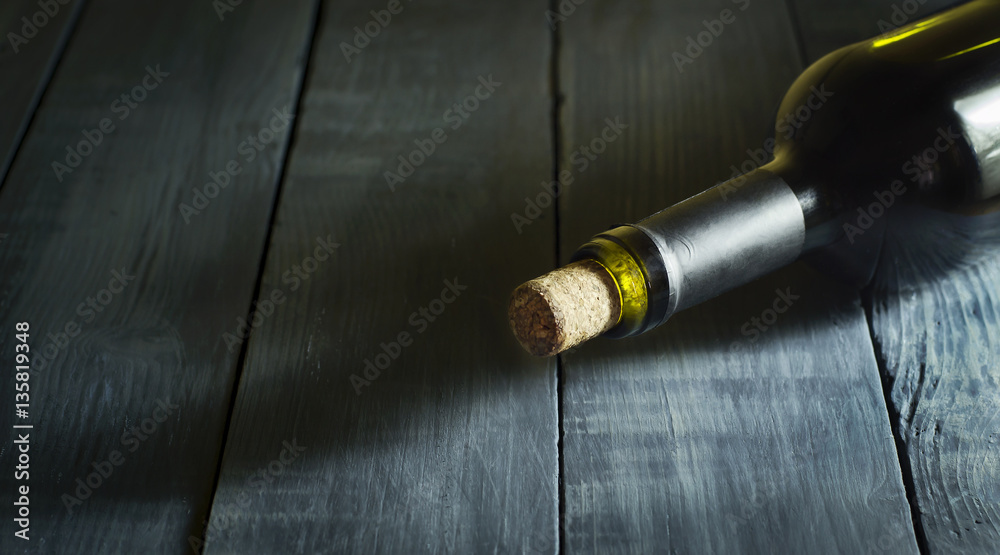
(28, 55)
(701, 437)
(936, 320)
(147, 374)
(451, 447)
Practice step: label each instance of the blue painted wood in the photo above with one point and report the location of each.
(935, 318)
(449, 444)
(127, 301)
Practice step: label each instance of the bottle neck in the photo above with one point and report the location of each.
(821, 210)
(700, 248)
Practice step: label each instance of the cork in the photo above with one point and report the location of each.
(564, 308)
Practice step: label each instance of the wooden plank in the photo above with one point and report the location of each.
(933, 315)
(935, 308)
(33, 40)
(453, 446)
(695, 438)
(135, 402)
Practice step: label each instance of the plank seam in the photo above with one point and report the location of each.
(556, 132)
(55, 59)
(310, 52)
(902, 455)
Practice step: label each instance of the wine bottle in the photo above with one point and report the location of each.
(909, 117)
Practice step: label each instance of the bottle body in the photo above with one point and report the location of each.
(908, 117)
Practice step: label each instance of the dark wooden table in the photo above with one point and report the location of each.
(265, 249)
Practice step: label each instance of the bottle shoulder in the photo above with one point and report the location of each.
(862, 116)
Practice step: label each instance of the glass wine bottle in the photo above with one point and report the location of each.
(909, 117)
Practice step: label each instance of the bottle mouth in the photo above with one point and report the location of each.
(636, 265)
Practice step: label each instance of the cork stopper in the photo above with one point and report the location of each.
(564, 308)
